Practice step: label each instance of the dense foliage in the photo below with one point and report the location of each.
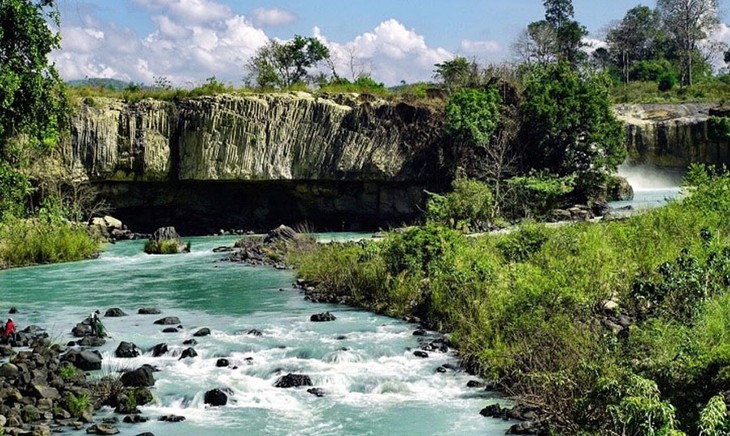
(568, 126)
(618, 328)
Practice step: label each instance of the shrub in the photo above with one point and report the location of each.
(67, 371)
(536, 195)
(77, 405)
(469, 206)
(714, 420)
(666, 81)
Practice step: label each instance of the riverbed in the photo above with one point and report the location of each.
(364, 363)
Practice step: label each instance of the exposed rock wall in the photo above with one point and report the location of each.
(255, 137)
(252, 161)
(672, 135)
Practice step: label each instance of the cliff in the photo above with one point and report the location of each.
(255, 137)
(256, 160)
(672, 135)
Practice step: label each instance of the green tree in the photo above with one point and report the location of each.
(279, 65)
(568, 126)
(457, 73)
(472, 115)
(32, 96)
(638, 37)
(688, 22)
(568, 32)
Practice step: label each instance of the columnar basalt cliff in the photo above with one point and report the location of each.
(247, 161)
(673, 135)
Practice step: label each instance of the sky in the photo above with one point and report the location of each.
(187, 41)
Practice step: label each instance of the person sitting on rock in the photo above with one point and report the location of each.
(9, 332)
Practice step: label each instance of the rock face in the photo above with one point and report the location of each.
(165, 240)
(672, 135)
(347, 154)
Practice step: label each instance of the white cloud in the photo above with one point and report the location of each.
(390, 53)
(189, 11)
(481, 47)
(187, 50)
(272, 17)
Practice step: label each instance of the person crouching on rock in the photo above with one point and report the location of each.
(9, 332)
(97, 328)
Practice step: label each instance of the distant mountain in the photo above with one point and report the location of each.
(100, 83)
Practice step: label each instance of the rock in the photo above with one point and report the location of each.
(141, 376)
(190, 342)
(126, 350)
(165, 240)
(135, 419)
(527, 427)
(293, 380)
(45, 392)
(9, 371)
(84, 360)
(159, 349)
(421, 354)
(205, 331)
(32, 329)
(474, 384)
(215, 397)
(13, 310)
(40, 430)
(254, 332)
(147, 433)
(81, 330)
(149, 311)
(420, 332)
(619, 189)
(322, 317)
(91, 341)
(317, 392)
(102, 429)
(492, 411)
(222, 363)
(172, 418)
(114, 312)
(170, 330)
(168, 320)
(188, 352)
(142, 396)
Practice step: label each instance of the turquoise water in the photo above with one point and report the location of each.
(373, 383)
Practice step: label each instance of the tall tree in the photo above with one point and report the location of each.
(568, 32)
(457, 73)
(637, 37)
(689, 22)
(278, 65)
(32, 96)
(568, 125)
(536, 44)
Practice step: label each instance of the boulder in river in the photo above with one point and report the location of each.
(84, 360)
(254, 332)
(322, 317)
(188, 352)
(170, 330)
(168, 320)
(81, 330)
(172, 418)
(149, 311)
(317, 392)
(190, 342)
(126, 350)
(91, 341)
(141, 376)
(421, 354)
(205, 331)
(102, 428)
(114, 312)
(293, 380)
(165, 240)
(222, 363)
(215, 397)
(159, 349)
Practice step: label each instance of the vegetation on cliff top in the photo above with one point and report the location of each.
(618, 328)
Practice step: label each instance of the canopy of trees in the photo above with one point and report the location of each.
(279, 65)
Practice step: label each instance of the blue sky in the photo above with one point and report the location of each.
(392, 40)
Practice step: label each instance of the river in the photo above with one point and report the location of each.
(364, 362)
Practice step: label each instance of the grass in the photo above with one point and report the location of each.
(710, 91)
(77, 405)
(36, 241)
(526, 308)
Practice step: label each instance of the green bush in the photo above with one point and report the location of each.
(666, 81)
(536, 195)
(77, 405)
(468, 207)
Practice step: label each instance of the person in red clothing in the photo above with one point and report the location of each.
(9, 332)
